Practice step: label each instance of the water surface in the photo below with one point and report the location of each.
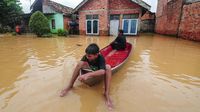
(161, 75)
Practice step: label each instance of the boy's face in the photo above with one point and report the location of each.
(91, 57)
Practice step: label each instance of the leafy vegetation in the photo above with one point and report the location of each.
(10, 11)
(62, 32)
(38, 24)
(4, 29)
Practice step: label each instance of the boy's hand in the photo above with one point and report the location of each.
(64, 92)
(83, 77)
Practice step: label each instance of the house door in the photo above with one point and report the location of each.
(114, 27)
(130, 26)
(114, 24)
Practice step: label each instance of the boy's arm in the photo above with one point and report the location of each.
(102, 68)
(95, 73)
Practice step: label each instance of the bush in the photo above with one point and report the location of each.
(5, 29)
(62, 32)
(1, 29)
(39, 24)
(47, 35)
(14, 33)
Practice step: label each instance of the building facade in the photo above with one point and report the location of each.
(106, 17)
(58, 15)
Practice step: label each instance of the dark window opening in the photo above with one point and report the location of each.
(53, 24)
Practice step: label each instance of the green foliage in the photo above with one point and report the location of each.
(9, 10)
(1, 29)
(14, 33)
(62, 32)
(39, 24)
(4, 29)
(48, 35)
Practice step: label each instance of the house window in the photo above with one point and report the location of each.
(114, 17)
(130, 16)
(53, 25)
(130, 24)
(92, 16)
(92, 24)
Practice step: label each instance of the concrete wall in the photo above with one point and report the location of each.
(59, 22)
(66, 23)
(122, 5)
(168, 17)
(180, 18)
(190, 22)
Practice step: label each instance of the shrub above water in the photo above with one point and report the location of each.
(62, 32)
(39, 24)
(5, 29)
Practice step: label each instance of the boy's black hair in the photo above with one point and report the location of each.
(121, 31)
(92, 49)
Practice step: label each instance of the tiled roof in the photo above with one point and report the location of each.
(60, 8)
(51, 7)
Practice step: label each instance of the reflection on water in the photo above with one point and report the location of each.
(161, 75)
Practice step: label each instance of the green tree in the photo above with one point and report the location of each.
(39, 24)
(10, 10)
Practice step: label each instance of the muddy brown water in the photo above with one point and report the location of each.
(161, 75)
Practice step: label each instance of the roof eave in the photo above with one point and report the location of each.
(33, 4)
(142, 4)
(79, 6)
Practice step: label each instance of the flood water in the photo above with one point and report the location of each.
(161, 75)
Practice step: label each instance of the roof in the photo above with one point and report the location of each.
(33, 4)
(142, 3)
(60, 8)
(56, 7)
(139, 2)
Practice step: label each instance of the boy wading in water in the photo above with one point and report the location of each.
(95, 61)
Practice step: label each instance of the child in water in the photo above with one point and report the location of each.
(95, 61)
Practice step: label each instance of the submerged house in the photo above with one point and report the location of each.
(106, 17)
(57, 14)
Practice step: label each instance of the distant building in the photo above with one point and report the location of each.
(180, 18)
(106, 17)
(148, 22)
(58, 15)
